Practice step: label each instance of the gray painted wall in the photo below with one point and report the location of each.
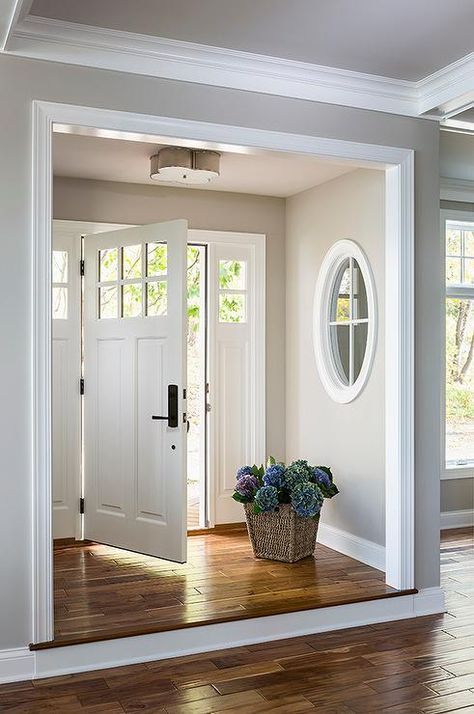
(23, 80)
(348, 437)
(110, 202)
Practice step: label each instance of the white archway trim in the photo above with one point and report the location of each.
(336, 255)
(398, 164)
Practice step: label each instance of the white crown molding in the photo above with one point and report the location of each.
(436, 96)
(449, 90)
(457, 190)
(72, 43)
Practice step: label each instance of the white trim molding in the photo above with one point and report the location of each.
(399, 406)
(436, 96)
(18, 665)
(12, 12)
(365, 551)
(461, 190)
(457, 519)
(340, 253)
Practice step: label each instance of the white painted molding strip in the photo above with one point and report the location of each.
(457, 190)
(457, 519)
(348, 544)
(436, 96)
(73, 43)
(16, 665)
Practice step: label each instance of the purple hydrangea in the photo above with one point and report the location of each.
(246, 485)
(307, 499)
(244, 471)
(273, 476)
(321, 478)
(266, 498)
(296, 473)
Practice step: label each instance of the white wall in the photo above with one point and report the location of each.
(347, 437)
(23, 80)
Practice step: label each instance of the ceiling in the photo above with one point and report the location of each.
(404, 39)
(261, 173)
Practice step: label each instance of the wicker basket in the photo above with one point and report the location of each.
(282, 534)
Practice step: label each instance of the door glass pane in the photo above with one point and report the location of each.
(157, 258)
(157, 298)
(340, 351)
(360, 344)
(453, 270)
(469, 270)
(131, 261)
(340, 302)
(232, 275)
(59, 266)
(59, 303)
(453, 241)
(108, 302)
(232, 308)
(459, 381)
(360, 309)
(469, 243)
(132, 300)
(108, 264)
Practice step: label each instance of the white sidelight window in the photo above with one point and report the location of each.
(458, 236)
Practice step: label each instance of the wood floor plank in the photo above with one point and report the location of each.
(422, 666)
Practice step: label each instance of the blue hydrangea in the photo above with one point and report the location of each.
(244, 471)
(307, 499)
(266, 498)
(246, 485)
(296, 473)
(273, 476)
(321, 478)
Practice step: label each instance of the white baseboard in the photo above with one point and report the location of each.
(457, 519)
(364, 550)
(16, 664)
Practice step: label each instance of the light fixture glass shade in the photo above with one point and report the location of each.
(186, 166)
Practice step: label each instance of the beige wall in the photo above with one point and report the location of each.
(110, 202)
(21, 82)
(347, 437)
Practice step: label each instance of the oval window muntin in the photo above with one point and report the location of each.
(327, 358)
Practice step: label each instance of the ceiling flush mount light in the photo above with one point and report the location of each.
(187, 166)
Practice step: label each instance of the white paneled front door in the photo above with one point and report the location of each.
(135, 323)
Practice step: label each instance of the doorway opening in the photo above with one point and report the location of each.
(233, 354)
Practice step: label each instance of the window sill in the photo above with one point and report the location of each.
(457, 472)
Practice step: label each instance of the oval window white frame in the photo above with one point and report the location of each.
(328, 373)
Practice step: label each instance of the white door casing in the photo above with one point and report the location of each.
(66, 372)
(135, 467)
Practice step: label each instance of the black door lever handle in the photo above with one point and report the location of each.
(172, 417)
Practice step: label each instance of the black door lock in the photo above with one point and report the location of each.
(172, 417)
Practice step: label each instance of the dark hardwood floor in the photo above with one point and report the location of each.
(103, 592)
(422, 666)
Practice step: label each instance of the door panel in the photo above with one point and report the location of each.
(66, 371)
(135, 323)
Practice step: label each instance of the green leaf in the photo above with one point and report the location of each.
(256, 508)
(271, 461)
(241, 499)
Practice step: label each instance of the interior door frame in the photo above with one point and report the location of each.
(398, 164)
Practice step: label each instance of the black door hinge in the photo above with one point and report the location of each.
(81, 385)
(81, 506)
(82, 267)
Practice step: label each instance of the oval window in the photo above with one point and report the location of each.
(344, 321)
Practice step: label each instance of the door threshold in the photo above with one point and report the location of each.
(90, 637)
(219, 528)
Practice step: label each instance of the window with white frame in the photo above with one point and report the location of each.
(459, 443)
